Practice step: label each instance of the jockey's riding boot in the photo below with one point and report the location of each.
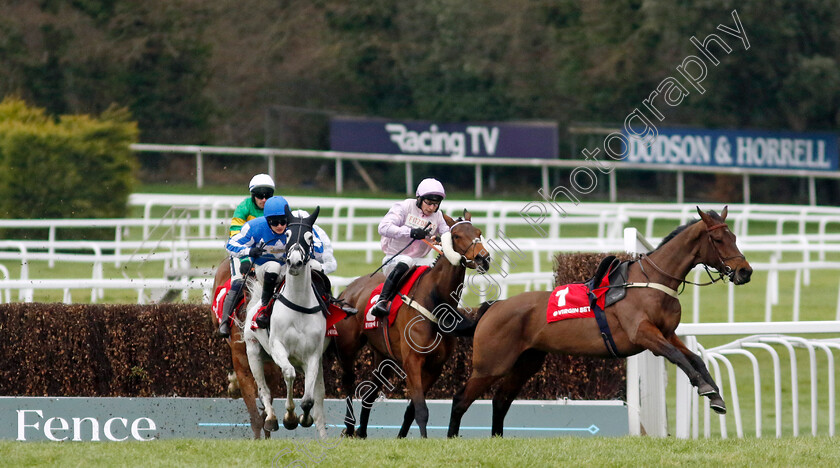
(230, 302)
(347, 308)
(269, 284)
(389, 290)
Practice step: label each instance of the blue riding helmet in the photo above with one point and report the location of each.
(275, 206)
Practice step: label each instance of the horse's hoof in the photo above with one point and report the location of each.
(717, 404)
(306, 420)
(290, 422)
(705, 389)
(271, 425)
(348, 432)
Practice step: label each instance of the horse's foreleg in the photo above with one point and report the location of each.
(430, 376)
(254, 351)
(247, 388)
(651, 338)
(526, 366)
(414, 382)
(281, 358)
(715, 399)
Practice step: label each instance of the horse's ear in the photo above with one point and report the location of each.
(705, 217)
(311, 219)
(467, 215)
(288, 212)
(724, 212)
(449, 221)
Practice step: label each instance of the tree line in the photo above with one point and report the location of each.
(207, 72)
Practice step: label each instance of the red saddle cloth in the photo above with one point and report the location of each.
(219, 299)
(373, 322)
(572, 301)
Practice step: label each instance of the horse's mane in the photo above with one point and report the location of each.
(685, 226)
(675, 233)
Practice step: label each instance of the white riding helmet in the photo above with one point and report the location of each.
(430, 188)
(261, 180)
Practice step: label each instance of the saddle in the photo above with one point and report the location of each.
(615, 281)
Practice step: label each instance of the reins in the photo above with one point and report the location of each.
(721, 274)
(410, 301)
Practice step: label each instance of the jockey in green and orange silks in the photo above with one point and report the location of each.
(261, 188)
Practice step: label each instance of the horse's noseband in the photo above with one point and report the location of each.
(465, 262)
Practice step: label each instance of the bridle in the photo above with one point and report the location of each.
(297, 243)
(465, 262)
(724, 271)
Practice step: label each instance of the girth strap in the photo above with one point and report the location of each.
(601, 318)
(419, 308)
(297, 308)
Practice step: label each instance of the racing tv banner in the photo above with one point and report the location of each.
(731, 148)
(456, 140)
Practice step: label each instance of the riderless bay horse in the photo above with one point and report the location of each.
(512, 337)
(296, 335)
(414, 341)
(239, 357)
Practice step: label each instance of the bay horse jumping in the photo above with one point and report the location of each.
(239, 357)
(512, 336)
(415, 342)
(295, 340)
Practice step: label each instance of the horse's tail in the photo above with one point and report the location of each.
(466, 327)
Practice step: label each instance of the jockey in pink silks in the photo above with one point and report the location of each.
(404, 227)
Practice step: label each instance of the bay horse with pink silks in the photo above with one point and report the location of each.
(513, 336)
(418, 340)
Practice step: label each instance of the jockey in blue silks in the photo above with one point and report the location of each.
(264, 241)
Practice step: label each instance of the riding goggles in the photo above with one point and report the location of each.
(277, 220)
(263, 194)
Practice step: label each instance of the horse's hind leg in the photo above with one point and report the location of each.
(526, 366)
(474, 388)
(408, 418)
(371, 388)
(318, 409)
(650, 337)
(313, 370)
(347, 346)
(715, 399)
(255, 363)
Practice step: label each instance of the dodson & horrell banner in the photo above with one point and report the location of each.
(456, 140)
(729, 148)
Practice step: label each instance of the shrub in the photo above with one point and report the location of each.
(76, 167)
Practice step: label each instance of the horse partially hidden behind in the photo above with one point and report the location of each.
(296, 336)
(512, 337)
(239, 357)
(414, 341)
